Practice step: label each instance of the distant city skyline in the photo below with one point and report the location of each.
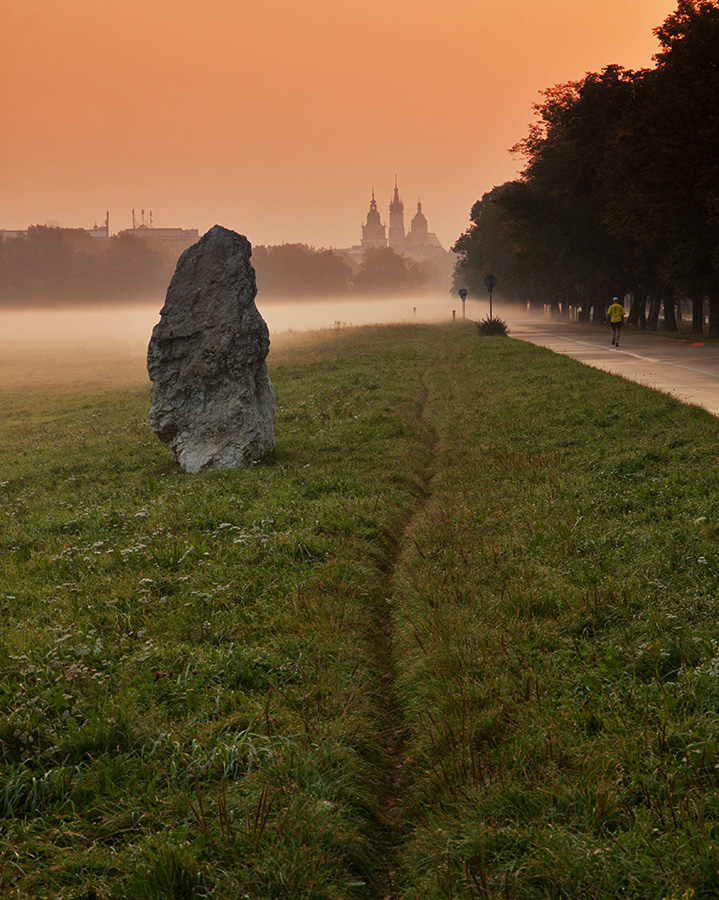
(374, 234)
(278, 125)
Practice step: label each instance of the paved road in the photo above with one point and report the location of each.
(689, 371)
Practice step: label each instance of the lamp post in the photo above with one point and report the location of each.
(490, 283)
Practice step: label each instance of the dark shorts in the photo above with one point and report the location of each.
(616, 326)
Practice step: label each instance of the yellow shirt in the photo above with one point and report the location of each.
(616, 312)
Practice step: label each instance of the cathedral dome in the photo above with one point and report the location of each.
(419, 216)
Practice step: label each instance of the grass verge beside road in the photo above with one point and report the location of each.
(455, 638)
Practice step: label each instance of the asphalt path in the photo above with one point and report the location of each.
(687, 370)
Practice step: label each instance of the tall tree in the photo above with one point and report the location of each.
(558, 208)
(621, 186)
(487, 247)
(667, 184)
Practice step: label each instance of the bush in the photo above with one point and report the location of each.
(492, 326)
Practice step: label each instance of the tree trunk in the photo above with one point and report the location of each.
(585, 310)
(698, 315)
(637, 314)
(655, 304)
(670, 318)
(714, 315)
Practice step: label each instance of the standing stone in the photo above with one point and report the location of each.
(212, 401)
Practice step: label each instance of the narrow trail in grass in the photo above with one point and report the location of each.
(393, 729)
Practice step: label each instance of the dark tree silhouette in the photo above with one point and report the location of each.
(296, 270)
(620, 192)
(66, 265)
(384, 271)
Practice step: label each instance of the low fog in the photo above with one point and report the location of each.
(105, 346)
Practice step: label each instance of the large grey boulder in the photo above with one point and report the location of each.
(212, 401)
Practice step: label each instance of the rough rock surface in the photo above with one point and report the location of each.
(212, 401)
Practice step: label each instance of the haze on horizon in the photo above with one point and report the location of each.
(75, 347)
(279, 124)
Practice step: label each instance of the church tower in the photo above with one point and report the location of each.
(396, 220)
(418, 235)
(374, 233)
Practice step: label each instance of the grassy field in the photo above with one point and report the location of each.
(455, 638)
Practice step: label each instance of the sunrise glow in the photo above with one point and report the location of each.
(278, 120)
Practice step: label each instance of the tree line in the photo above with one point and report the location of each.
(296, 270)
(620, 191)
(65, 265)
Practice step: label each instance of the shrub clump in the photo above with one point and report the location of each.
(494, 325)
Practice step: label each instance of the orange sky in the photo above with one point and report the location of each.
(277, 117)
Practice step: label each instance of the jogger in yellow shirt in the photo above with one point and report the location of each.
(616, 320)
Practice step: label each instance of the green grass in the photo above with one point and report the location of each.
(556, 616)
(455, 638)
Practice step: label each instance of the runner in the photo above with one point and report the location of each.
(616, 320)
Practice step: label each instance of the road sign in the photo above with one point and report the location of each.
(490, 282)
(463, 294)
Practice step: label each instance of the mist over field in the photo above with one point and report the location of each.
(106, 345)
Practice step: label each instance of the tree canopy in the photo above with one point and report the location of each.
(63, 265)
(384, 271)
(296, 270)
(620, 190)
(49, 265)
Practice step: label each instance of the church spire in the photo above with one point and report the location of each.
(396, 204)
(396, 219)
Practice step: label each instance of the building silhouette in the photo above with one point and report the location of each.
(170, 241)
(374, 233)
(418, 241)
(419, 244)
(396, 220)
(418, 235)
